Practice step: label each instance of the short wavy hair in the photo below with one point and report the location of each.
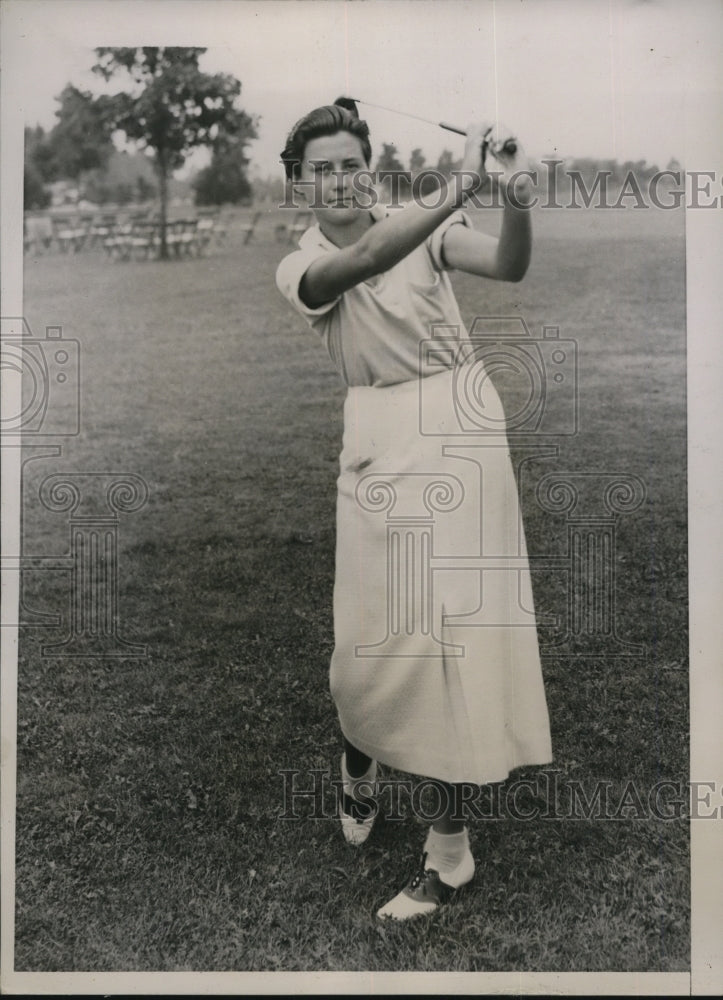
(341, 116)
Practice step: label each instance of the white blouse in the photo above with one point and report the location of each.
(373, 331)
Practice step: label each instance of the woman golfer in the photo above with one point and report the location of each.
(436, 668)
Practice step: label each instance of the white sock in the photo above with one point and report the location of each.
(445, 850)
(366, 781)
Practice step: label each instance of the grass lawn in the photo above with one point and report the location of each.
(149, 829)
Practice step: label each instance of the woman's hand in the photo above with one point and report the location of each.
(511, 170)
(486, 140)
(507, 257)
(473, 161)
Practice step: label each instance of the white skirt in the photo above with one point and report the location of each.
(436, 669)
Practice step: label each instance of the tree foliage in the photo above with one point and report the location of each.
(447, 164)
(39, 153)
(389, 158)
(397, 185)
(35, 194)
(170, 107)
(417, 160)
(224, 180)
(38, 169)
(81, 139)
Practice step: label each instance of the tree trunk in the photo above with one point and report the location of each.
(163, 192)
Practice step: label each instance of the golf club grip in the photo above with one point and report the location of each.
(452, 128)
(509, 147)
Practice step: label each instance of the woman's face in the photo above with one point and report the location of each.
(327, 173)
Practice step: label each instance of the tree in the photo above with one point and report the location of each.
(417, 160)
(39, 153)
(388, 159)
(389, 163)
(171, 107)
(79, 142)
(144, 189)
(35, 194)
(446, 164)
(224, 180)
(38, 169)
(81, 139)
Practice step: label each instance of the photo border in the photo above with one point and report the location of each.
(702, 23)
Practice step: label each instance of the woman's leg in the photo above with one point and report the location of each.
(447, 863)
(447, 843)
(357, 763)
(358, 806)
(450, 821)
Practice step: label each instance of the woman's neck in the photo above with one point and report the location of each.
(344, 236)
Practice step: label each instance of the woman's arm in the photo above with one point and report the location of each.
(392, 239)
(507, 257)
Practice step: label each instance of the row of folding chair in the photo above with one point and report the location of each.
(67, 234)
(141, 239)
(135, 236)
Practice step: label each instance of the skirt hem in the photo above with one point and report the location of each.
(409, 763)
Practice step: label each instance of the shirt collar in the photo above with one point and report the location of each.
(314, 237)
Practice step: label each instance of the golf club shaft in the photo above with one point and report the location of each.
(510, 146)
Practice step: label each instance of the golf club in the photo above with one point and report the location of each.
(510, 146)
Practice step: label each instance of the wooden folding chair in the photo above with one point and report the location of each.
(219, 229)
(118, 244)
(145, 237)
(248, 226)
(83, 229)
(205, 231)
(101, 228)
(69, 234)
(37, 233)
(186, 237)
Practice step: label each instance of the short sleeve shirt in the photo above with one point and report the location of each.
(373, 331)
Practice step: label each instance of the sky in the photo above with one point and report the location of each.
(605, 78)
